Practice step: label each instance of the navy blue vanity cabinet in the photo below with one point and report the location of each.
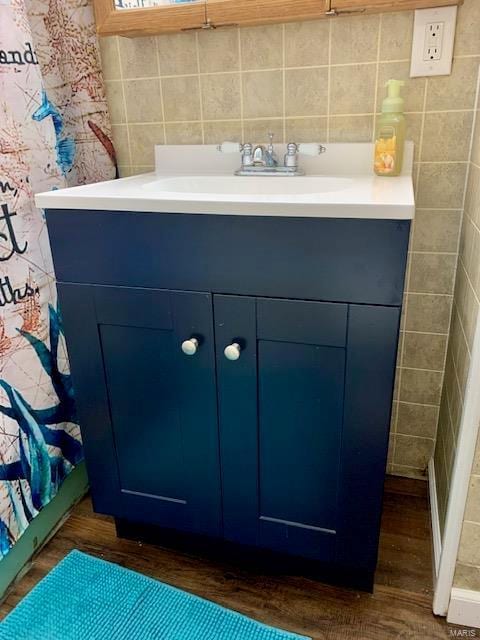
(272, 436)
(148, 412)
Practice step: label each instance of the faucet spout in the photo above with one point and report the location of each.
(259, 156)
(265, 156)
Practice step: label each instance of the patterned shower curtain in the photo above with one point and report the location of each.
(54, 132)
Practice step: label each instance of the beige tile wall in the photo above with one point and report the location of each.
(466, 307)
(322, 80)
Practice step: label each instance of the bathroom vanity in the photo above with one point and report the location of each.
(233, 348)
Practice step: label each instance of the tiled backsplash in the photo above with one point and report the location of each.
(322, 80)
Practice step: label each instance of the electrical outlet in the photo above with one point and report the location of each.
(433, 38)
(433, 41)
(432, 53)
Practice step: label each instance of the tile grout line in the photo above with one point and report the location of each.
(412, 231)
(377, 75)
(418, 369)
(429, 293)
(454, 359)
(161, 93)
(284, 85)
(120, 66)
(304, 117)
(425, 333)
(288, 68)
(452, 435)
(200, 87)
(401, 354)
(460, 398)
(432, 253)
(420, 163)
(422, 131)
(240, 70)
(441, 210)
(329, 78)
(418, 404)
(412, 435)
(447, 475)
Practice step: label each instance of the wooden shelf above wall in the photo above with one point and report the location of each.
(218, 13)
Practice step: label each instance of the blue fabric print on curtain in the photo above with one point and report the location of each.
(55, 133)
(4, 539)
(65, 146)
(42, 471)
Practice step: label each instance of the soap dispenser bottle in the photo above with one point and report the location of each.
(390, 133)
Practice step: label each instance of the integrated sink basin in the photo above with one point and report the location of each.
(339, 183)
(242, 188)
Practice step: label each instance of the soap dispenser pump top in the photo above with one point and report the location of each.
(394, 102)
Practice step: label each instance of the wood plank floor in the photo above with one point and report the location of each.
(399, 609)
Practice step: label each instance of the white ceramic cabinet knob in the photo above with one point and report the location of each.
(232, 352)
(190, 347)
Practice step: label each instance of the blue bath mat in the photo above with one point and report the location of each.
(85, 598)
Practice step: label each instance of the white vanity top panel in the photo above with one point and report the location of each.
(198, 179)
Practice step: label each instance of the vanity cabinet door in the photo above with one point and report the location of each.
(147, 410)
(304, 420)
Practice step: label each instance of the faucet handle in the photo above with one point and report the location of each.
(307, 148)
(290, 159)
(292, 148)
(235, 147)
(311, 148)
(230, 147)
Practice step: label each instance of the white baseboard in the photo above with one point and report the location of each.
(464, 608)
(434, 515)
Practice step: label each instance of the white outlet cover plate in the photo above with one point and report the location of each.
(443, 66)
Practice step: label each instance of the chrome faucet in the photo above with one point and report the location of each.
(262, 160)
(265, 156)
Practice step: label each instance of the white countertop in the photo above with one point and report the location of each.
(199, 179)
